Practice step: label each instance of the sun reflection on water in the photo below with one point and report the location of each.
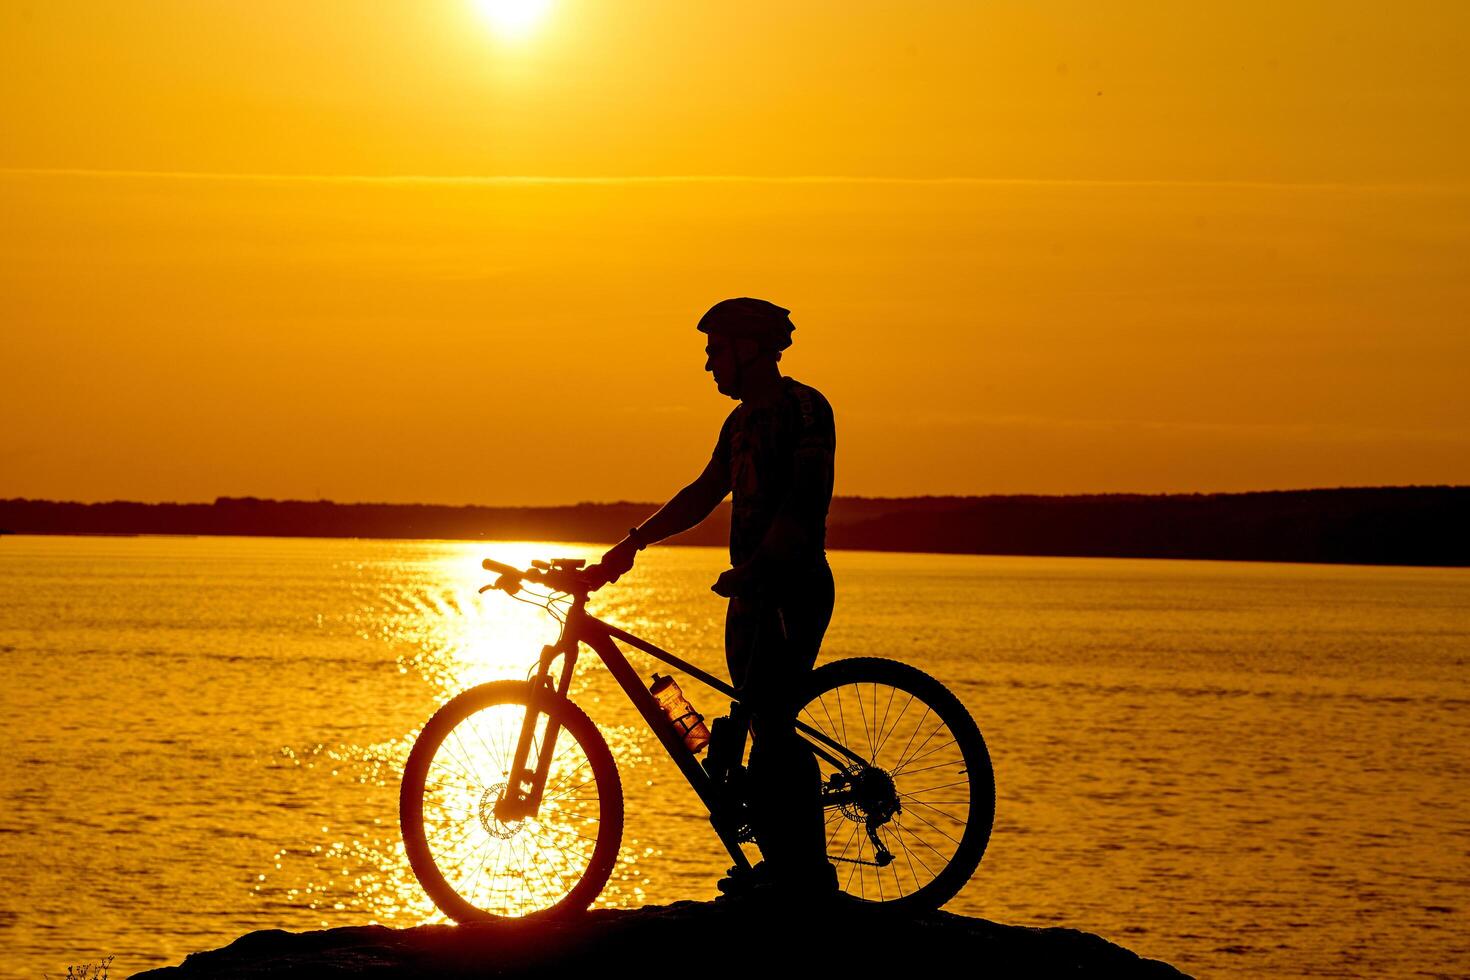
(456, 638)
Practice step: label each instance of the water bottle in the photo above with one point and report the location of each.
(687, 722)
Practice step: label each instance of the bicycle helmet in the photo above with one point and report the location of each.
(766, 323)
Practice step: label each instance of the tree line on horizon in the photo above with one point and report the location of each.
(1368, 525)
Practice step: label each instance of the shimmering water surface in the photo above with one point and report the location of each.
(1244, 769)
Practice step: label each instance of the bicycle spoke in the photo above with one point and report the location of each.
(565, 830)
(848, 845)
(840, 718)
(521, 867)
(921, 840)
(897, 878)
(877, 736)
(469, 831)
(503, 880)
(463, 857)
(896, 721)
(927, 711)
(468, 756)
(570, 813)
(456, 809)
(490, 755)
(569, 749)
(836, 829)
(826, 711)
(562, 780)
(463, 767)
(883, 725)
(856, 868)
(937, 810)
(478, 871)
(908, 858)
(540, 864)
(864, 715)
(937, 765)
(471, 823)
(899, 830)
(915, 758)
(541, 827)
(513, 877)
(903, 761)
(926, 789)
(551, 850)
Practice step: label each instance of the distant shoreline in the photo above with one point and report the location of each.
(1359, 525)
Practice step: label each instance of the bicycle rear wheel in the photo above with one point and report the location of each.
(910, 809)
(477, 867)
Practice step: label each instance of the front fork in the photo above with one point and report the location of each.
(525, 785)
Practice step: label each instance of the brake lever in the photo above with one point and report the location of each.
(512, 588)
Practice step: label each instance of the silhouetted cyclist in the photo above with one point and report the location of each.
(775, 454)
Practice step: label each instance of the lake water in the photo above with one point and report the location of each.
(1243, 769)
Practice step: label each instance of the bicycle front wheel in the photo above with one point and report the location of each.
(910, 807)
(476, 866)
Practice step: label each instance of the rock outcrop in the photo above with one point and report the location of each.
(686, 939)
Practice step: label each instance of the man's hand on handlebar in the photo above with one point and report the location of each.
(614, 564)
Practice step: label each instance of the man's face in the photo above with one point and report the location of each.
(722, 359)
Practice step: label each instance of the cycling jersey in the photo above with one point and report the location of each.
(759, 447)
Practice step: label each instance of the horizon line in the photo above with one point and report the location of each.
(795, 179)
(650, 503)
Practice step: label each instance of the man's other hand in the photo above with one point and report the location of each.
(615, 563)
(734, 582)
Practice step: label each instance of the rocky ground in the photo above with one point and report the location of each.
(686, 939)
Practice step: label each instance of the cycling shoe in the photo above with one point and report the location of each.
(760, 881)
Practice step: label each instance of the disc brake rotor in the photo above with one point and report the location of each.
(492, 824)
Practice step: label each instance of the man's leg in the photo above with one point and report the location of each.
(784, 638)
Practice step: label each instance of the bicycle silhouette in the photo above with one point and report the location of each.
(511, 804)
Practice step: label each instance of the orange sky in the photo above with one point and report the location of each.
(271, 248)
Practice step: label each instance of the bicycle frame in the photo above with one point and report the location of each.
(523, 795)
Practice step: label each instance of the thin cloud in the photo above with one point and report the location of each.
(531, 180)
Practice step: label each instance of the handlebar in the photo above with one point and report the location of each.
(491, 565)
(552, 575)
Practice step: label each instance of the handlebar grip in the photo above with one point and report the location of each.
(490, 565)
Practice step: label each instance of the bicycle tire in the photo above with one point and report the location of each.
(920, 832)
(446, 811)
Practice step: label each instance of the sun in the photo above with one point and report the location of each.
(513, 18)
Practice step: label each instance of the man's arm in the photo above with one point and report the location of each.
(684, 510)
(689, 506)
